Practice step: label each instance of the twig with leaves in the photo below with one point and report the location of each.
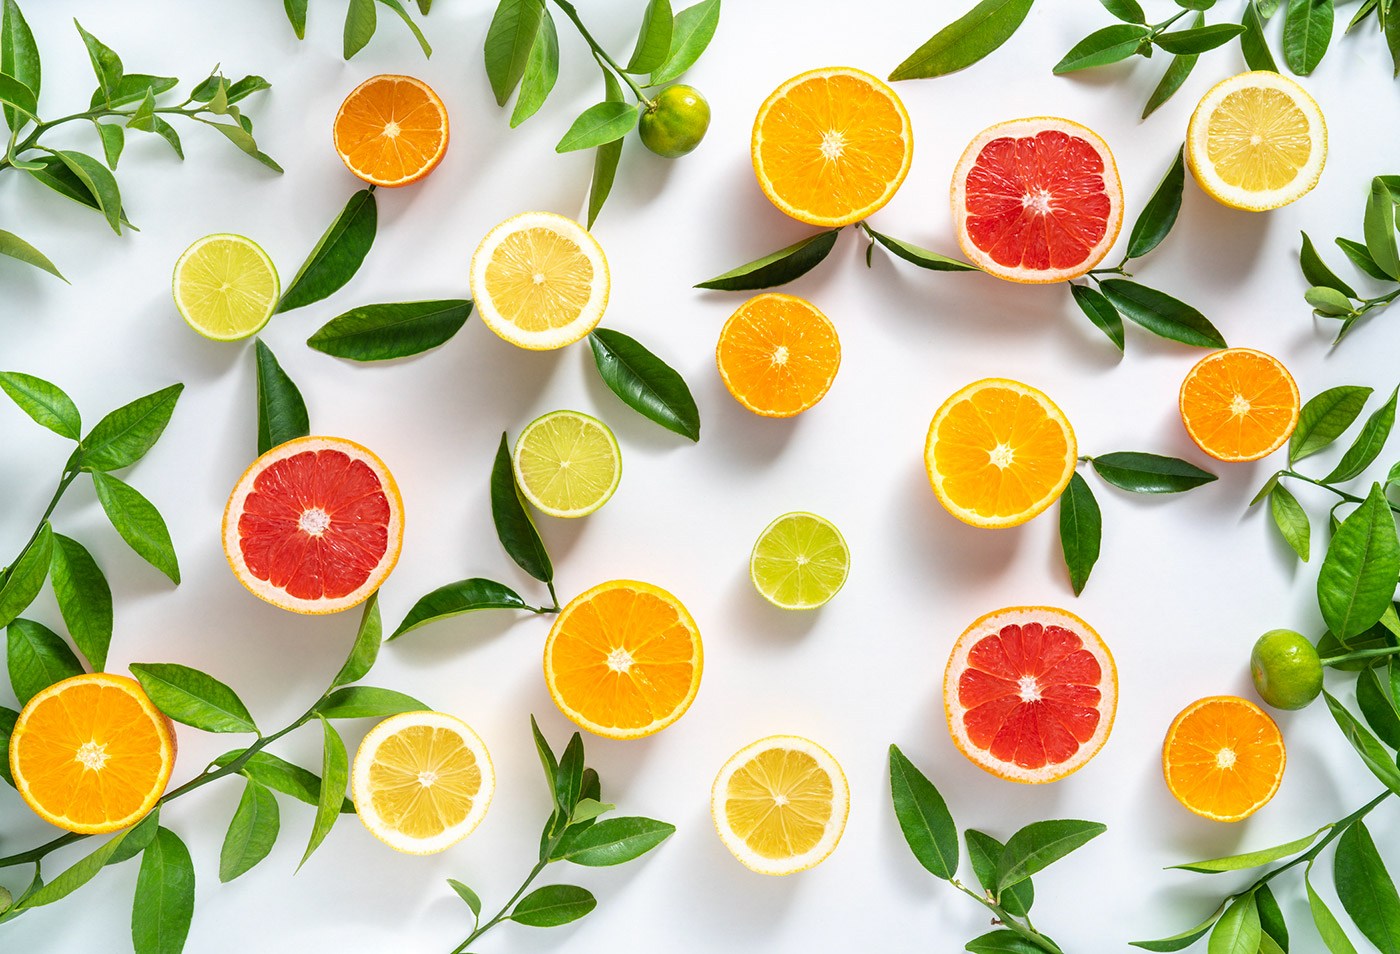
(1376, 257)
(360, 22)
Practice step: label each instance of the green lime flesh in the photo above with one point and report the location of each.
(799, 562)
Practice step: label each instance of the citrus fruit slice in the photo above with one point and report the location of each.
(391, 130)
(778, 355)
(540, 280)
(780, 804)
(1223, 758)
(999, 452)
(623, 660)
(1030, 693)
(422, 781)
(314, 525)
(831, 146)
(1256, 141)
(567, 464)
(1037, 200)
(1239, 404)
(226, 287)
(92, 753)
(799, 562)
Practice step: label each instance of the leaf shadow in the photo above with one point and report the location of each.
(443, 642)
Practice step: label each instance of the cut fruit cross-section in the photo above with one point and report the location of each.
(1223, 758)
(1239, 404)
(778, 355)
(391, 130)
(568, 464)
(225, 287)
(800, 561)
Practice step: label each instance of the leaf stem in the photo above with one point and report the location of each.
(1360, 654)
(1335, 832)
(502, 914)
(602, 54)
(1346, 497)
(1006, 920)
(32, 140)
(71, 470)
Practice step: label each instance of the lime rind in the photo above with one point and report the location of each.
(226, 287)
(800, 561)
(567, 463)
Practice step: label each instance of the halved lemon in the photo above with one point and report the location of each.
(567, 463)
(540, 280)
(800, 561)
(226, 287)
(422, 781)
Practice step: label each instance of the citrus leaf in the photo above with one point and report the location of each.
(37, 658)
(1003, 942)
(514, 527)
(983, 851)
(1373, 755)
(194, 698)
(966, 40)
(97, 179)
(135, 87)
(921, 257)
(17, 98)
(397, 330)
(1391, 25)
(359, 26)
(654, 40)
(1368, 444)
(541, 72)
(113, 141)
(1378, 224)
(1358, 575)
(691, 32)
(281, 409)
(1365, 889)
(605, 160)
(1149, 473)
(84, 599)
(19, 56)
(1040, 844)
(1100, 310)
(138, 839)
(1129, 11)
(553, 905)
(105, 62)
(644, 382)
(453, 599)
(598, 124)
(1081, 530)
(1267, 489)
(125, 435)
(164, 902)
(1325, 418)
(138, 522)
(398, 8)
(1361, 258)
(1199, 39)
(8, 718)
(168, 133)
(1159, 215)
(779, 268)
(611, 841)
(923, 817)
(1186, 938)
(1328, 302)
(1237, 931)
(1109, 45)
(1377, 708)
(1252, 859)
(337, 255)
(1316, 272)
(1177, 70)
(335, 773)
(367, 702)
(366, 648)
(509, 40)
(1326, 922)
(1162, 314)
(1252, 42)
(54, 173)
(240, 137)
(568, 781)
(1292, 521)
(251, 832)
(467, 895)
(296, 15)
(282, 776)
(547, 760)
(1307, 29)
(26, 577)
(74, 877)
(17, 248)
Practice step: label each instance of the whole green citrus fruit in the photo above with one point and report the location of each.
(676, 121)
(1286, 669)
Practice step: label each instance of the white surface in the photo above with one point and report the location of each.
(1183, 587)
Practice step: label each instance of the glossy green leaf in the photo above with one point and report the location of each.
(454, 599)
(365, 650)
(598, 124)
(467, 895)
(568, 780)
(75, 876)
(395, 330)
(194, 698)
(97, 179)
(1328, 302)
(125, 435)
(135, 87)
(1361, 258)
(12, 246)
(1267, 489)
(1040, 844)
(1253, 859)
(1237, 931)
(1291, 520)
(296, 15)
(1378, 225)
(644, 382)
(779, 268)
(1358, 577)
(921, 257)
(1149, 473)
(105, 62)
(1159, 215)
(1324, 418)
(1253, 45)
(1198, 39)
(1373, 754)
(252, 832)
(1081, 531)
(1109, 45)
(1307, 29)
(1368, 444)
(335, 774)
(923, 818)
(1391, 25)
(509, 40)
(1186, 938)
(1365, 888)
(167, 132)
(8, 718)
(1003, 942)
(281, 409)
(1325, 921)
(19, 55)
(1178, 68)
(588, 809)
(983, 851)
(27, 576)
(398, 8)
(1129, 11)
(606, 157)
(1316, 272)
(691, 32)
(1377, 708)
(367, 702)
(52, 172)
(541, 72)
(1100, 311)
(17, 98)
(37, 658)
(966, 40)
(611, 841)
(164, 902)
(359, 26)
(282, 776)
(654, 40)
(84, 599)
(337, 255)
(113, 140)
(553, 905)
(240, 137)
(138, 838)
(138, 522)
(514, 526)
(1162, 314)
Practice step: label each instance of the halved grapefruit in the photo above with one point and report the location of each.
(315, 525)
(1030, 693)
(1037, 200)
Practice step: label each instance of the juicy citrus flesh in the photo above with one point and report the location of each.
(780, 804)
(422, 781)
(800, 561)
(92, 753)
(623, 659)
(778, 355)
(391, 130)
(540, 280)
(226, 287)
(568, 464)
(831, 146)
(1037, 200)
(1223, 758)
(1239, 404)
(998, 453)
(314, 525)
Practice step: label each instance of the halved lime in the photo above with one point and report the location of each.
(226, 287)
(567, 464)
(800, 561)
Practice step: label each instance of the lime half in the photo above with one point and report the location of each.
(226, 287)
(567, 463)
(800, 561)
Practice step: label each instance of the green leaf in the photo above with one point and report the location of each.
(605, 160)
(296, 15)
(1325, 418)
(598, 124)
(8, 718)
(1378, 636)
(454, 599)
(359, 26)
(654, 41)
(366, 648)
(691, 32)
(84, 599)
(779, 268)
(541, 72)
(139, 523)
(54, 173)
(1357, 579)
(1177, 70)
(135, 87)
(923, 818)
(46, 403)
(966, 40)
(1267, 489)
(98, 181)
(1129, 11)
(27, 575)
(1325, 921)
(367, 702)
(105, 63)
(1328, 302)
(1373, 755)
(164, 903)
(1377, 708)
(1307, 29)
(1100, 311)
(514, 527)
(553, 905)
(17, 248)
(1159, 215)
(1361, 258)
(1109, 45)
(1237, 931)
(547, 760)
(1081, 530)
(1252, 42)
(398, 8)
(1292, 520)
(1162, 314)
(335, 773)
(611, 841)
(1003, 942)
(138, 838)
(395, 330)
(113, 139)
(281, 409)
(17, 98)
(125, 435)
(19, 55)
(241, 138)
(1316, 272)
(467, 895)
(168, 133)
(1186, 938)
(1391, 25)
(921, 257)
(1379, 227)
(1149, 473)
(337, 255)
(37, 657)
(282, 776)
(509, 40)
(1252, 859)
(74, 877)
(644, 382)
(588, 809)
(568, 781)
(1199, 39)
(1040, 844)
(251, 833)
(983, 851)
(194, 698)
(1367, 8)
(1368, 444)
(1365, 888)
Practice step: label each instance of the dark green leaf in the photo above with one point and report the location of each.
(38, 657)
(13, 246)
(1159, 215)
(1040, 844)
(124, 436)
(1362, 12)
(1183, 940)
(282, 776)
(553, 905)
(138, 839)
(1366, 890)
(1253, 859)
(467, 895)
(251, 833)
(923, 818)
(1316, 272)
(46, 403)
(598, 124)
(367, 702)
(508, 42)
(547, 760)
(75, 876)
(281, 409)
(983, 851)
(654, 41)
(1373, 755)
(138, 522)
(1081, 530)
(514, 527)
(605, 160)
(359, 26)
(1326, 922)
(541, 72)
(1361, 258)
(464, 596)
(1200, 39)
(1325, 418)
(296, 14)
(335, 773)
(1307, 29)
(19, 55)
(1377, 708)
(105, 63)
(164, 903)
(568, 781)
(1252, 42)
(1149, 473)
(691, 32)
(966, 40)
(27, 576)
(1100, 311)
(1109, 45)
(8, 718)
(1368, 444)
(366, 648)
(1379, 227)
(645, 383)
(398, 8)
(97, 179)
(1129, 11)
(1197, 4)
(381, 332)
(1357, 579)
(1292, 520)
(611, 841)
(52, 172)
(779, 268)
(1391, 25)
(1237, 931)
(1162, 314)
(1003, 942)
(1177, 70)
(84, 599)
(135, 87)
(337, 255)
(921, 257)
(193, 697)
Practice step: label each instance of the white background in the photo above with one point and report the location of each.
(1182, 589)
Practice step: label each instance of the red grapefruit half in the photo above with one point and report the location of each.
(314, 525)
(1030, 693)
(1037, 200)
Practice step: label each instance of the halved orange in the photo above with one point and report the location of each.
(999, 452)
(1223, 758)
(623, 659)
(314, 525)
(831, 146)
(1030, 693)
(778, 355)
(92, 753)
(1239, 404)
(1037, 200)
(391, 130)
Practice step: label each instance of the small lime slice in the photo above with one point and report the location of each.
(226, 287)
(567, 464)
(800, 561)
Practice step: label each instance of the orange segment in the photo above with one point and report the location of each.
(92, 753)
(778, 355)
(998, 453)
(1223, 758)
(623, 659)
(1239, 404)
(391, 130)
(831, 146)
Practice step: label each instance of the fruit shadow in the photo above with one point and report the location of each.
(750, 440)
(943, 546)
(754, 616)
(754, 904)
(1223, 244)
